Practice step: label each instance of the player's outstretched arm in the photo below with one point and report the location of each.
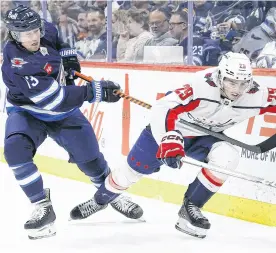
(46, 93)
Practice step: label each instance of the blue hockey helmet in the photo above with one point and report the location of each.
(22, 19)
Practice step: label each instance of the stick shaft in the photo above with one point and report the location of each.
(227, 172)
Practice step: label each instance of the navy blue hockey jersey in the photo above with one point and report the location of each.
(197, 49)
(36, 81)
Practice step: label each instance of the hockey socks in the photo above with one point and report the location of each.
(30, 180)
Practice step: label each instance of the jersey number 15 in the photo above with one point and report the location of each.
(31, 81)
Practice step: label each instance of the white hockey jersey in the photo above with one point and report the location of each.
(200, 102)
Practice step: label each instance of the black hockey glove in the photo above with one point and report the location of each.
(70, 62)
(98, 91)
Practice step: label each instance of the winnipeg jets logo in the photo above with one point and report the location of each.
(18, 62)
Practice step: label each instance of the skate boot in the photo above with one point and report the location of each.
(41, 223)
(191, 221)
(126, 207)
(85, 209)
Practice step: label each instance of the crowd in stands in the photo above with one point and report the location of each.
(157, 31)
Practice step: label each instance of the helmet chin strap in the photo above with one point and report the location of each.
(223, 94)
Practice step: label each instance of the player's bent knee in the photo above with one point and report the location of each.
(96, 169)
(224, 155)
(18, 148)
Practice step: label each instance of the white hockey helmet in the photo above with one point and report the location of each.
(235, 66)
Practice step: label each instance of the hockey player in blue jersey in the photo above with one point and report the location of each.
(43, 101)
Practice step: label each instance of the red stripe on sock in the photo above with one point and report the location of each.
(211, 178)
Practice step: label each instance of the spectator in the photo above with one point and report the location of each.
(55, 10)
(36, 6)
(179, 30)
(4, 35)
(71, 9)
(119, 29)
(95, 46)
(132, 45)
(141, 4)
(82, 26)
(67, 29)
(100, 4)
(254, 41)
(159, 28)
(5, 6)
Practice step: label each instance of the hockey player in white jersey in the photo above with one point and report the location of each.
(217, 99)
(252, 43)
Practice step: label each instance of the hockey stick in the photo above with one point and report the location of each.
(117, 92)
(227, 172)
(262, 147)
(268, 144)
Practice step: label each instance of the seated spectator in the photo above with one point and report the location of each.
(159, 28)
(36, 6)
(119, 29)
(94, 47)
(4, 35)
(5, 6)
(82, 26)
(54, 8)
(145, 5)
(179, 30)
(254, 41)
(67, 29)
(130, 46)
(101, 4)
(200, 11)
(71, 9)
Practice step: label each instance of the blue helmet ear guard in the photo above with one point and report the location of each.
(22, 19)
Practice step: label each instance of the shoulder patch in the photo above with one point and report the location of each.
(209, 80)
(254, 88)
(18, 62)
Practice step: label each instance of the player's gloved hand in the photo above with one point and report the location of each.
(171, 146)
(70, 62)
(98, 91)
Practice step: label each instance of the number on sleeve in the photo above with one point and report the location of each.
(271, 94)
(185, 92)
(31, 81)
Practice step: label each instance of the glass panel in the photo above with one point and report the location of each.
(156, 32)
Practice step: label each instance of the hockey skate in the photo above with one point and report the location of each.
(191, 221)
(128, 208)
(85, 209)
(41, 223)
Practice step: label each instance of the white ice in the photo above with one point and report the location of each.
(109, 231)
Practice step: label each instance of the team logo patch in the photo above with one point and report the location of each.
(48, 68)
(18, 62)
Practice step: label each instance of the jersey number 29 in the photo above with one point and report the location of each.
(185, 92)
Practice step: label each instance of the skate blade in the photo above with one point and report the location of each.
(141, 219)
(184, 226)
(44, 232)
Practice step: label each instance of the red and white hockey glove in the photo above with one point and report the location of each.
(171, 146)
